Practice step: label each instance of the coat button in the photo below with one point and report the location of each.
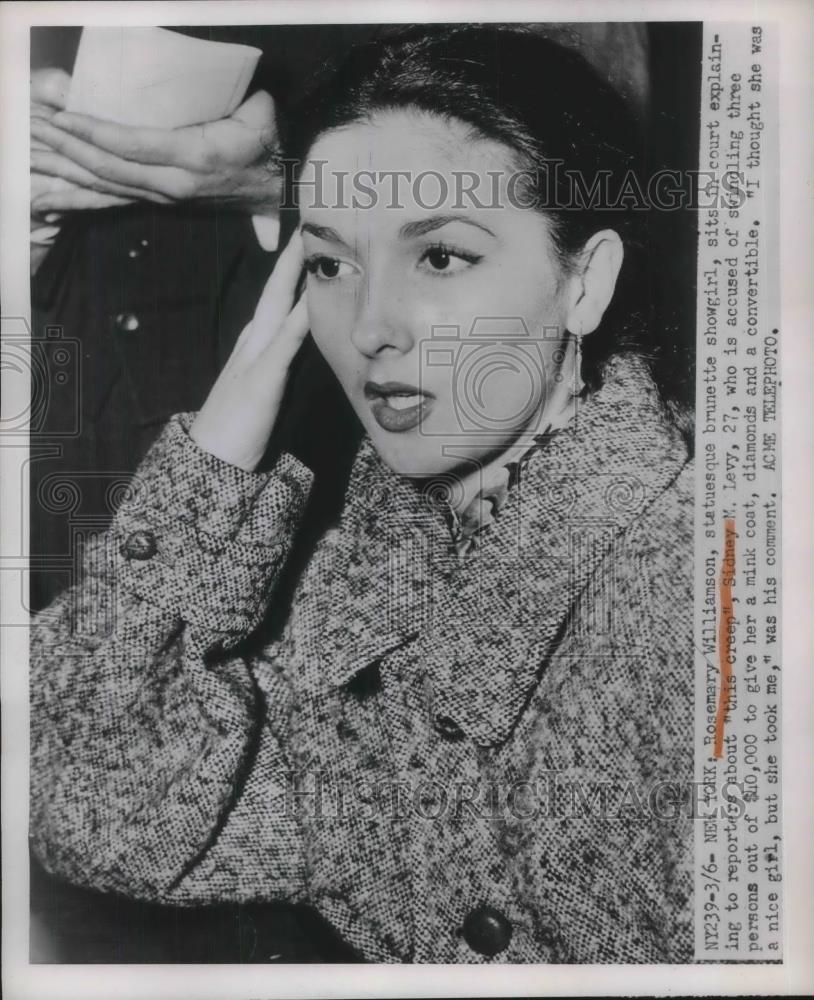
(140, 545)
(448, 728)
(487, 931)
(127, 322)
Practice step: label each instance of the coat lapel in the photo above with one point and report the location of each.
(485, 626)
(381, 583)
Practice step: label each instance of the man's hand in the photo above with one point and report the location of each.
(231, 161)
(52, 192)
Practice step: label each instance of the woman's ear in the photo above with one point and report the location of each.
(595, 281)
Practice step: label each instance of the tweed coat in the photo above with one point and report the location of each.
(452, 758)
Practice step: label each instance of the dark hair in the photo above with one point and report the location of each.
(545, 103)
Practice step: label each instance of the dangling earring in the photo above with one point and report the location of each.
(579, 384)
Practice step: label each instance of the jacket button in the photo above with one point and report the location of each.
(140, 545)
(448, 728)
(127, 322)
(487, 931)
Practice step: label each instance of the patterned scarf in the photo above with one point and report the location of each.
(499, 478)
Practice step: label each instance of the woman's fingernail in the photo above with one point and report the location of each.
(53, 217)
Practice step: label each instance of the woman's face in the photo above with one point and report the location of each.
(442, 315)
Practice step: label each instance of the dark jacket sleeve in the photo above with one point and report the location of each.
(144, 718)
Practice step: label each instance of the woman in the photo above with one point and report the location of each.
(466, 739)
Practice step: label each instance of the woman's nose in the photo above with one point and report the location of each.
(382, 323)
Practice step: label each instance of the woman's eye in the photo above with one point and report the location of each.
(447, 260)
(328, 268)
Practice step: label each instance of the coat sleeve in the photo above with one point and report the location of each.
(144, 719)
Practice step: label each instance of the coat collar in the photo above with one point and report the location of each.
(486, 625)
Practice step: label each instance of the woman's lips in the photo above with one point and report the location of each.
(396, 406)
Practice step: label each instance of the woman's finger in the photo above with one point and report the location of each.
(269, 366)
(270, 322)
(291, 334)
(277, 297)
(273, 306)
(239, 414)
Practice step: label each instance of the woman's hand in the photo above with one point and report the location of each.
(236, 421)
(229, 162)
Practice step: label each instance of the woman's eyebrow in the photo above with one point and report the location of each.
(422, 226)
(323, 233)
